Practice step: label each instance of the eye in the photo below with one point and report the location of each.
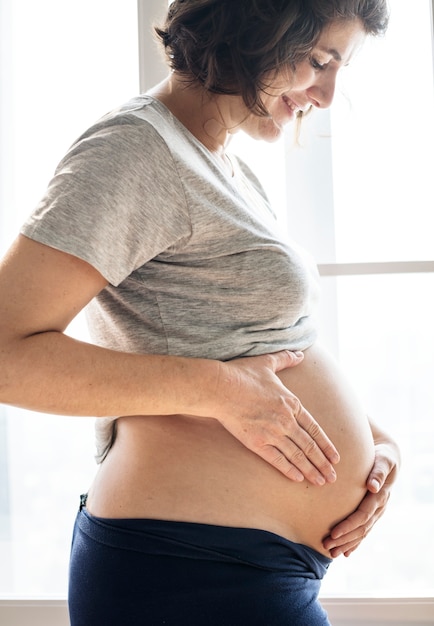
(316, 64)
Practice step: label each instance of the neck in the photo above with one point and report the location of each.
(202, 113)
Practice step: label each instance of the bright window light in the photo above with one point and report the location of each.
(358, 189)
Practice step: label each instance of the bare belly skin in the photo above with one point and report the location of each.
(190, 469)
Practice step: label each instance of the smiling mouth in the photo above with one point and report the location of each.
(291, 105)
(295, 108)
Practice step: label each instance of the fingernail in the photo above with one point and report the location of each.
(375, 484)
(320, 481)
(332, 476)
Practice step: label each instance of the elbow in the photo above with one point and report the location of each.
(12, 379)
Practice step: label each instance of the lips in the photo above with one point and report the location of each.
(293, 106)
(291, 109)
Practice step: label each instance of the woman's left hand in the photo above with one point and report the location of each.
(346, 536)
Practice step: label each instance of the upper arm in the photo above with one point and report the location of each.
(43, 289)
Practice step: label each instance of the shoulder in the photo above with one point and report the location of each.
(132, 132)
(124, 152)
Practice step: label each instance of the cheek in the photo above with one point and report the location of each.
(304, 76)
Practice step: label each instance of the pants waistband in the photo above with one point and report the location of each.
(258, 548)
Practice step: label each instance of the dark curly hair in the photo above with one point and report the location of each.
(229, 46)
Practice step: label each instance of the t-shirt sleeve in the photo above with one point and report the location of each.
(115, 201)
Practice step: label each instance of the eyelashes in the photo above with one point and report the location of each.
(317, 65)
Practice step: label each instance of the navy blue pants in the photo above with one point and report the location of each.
(151, 572)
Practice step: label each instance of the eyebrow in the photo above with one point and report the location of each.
(335, 54)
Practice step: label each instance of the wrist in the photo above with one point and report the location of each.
(200, 383)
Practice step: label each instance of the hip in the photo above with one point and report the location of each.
(212, 575)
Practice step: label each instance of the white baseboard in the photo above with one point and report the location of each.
(380, 611)
(341, 611)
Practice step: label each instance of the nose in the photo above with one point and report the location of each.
(321, 94)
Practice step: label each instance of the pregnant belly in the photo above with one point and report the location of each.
(190, 469)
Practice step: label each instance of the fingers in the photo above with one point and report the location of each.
(384, 471)
(294, 465)
(298, 454)
(348, 534)
(310, 450)
(278, 460)
(304, 451)
(352, 525)
(346, 549)
(374, 485)
(276, 426)
(314, 442)
(306, 456)
(346, 543)
(378, 475)
(286, 358)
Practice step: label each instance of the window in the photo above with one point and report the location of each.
(359, 195)
(383, 199)
(64, 66)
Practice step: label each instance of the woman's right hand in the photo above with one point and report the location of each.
(257, 409)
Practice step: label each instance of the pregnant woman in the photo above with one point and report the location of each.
(235, 461)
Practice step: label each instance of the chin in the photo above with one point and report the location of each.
(270, 131)
(272, 135)
(273, 132)
(275, 138)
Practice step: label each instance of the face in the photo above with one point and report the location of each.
(312, 83)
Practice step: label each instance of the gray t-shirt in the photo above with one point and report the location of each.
(196, 262)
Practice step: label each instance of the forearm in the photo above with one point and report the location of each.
(43, 289)
(381, 437)
(53, 373)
